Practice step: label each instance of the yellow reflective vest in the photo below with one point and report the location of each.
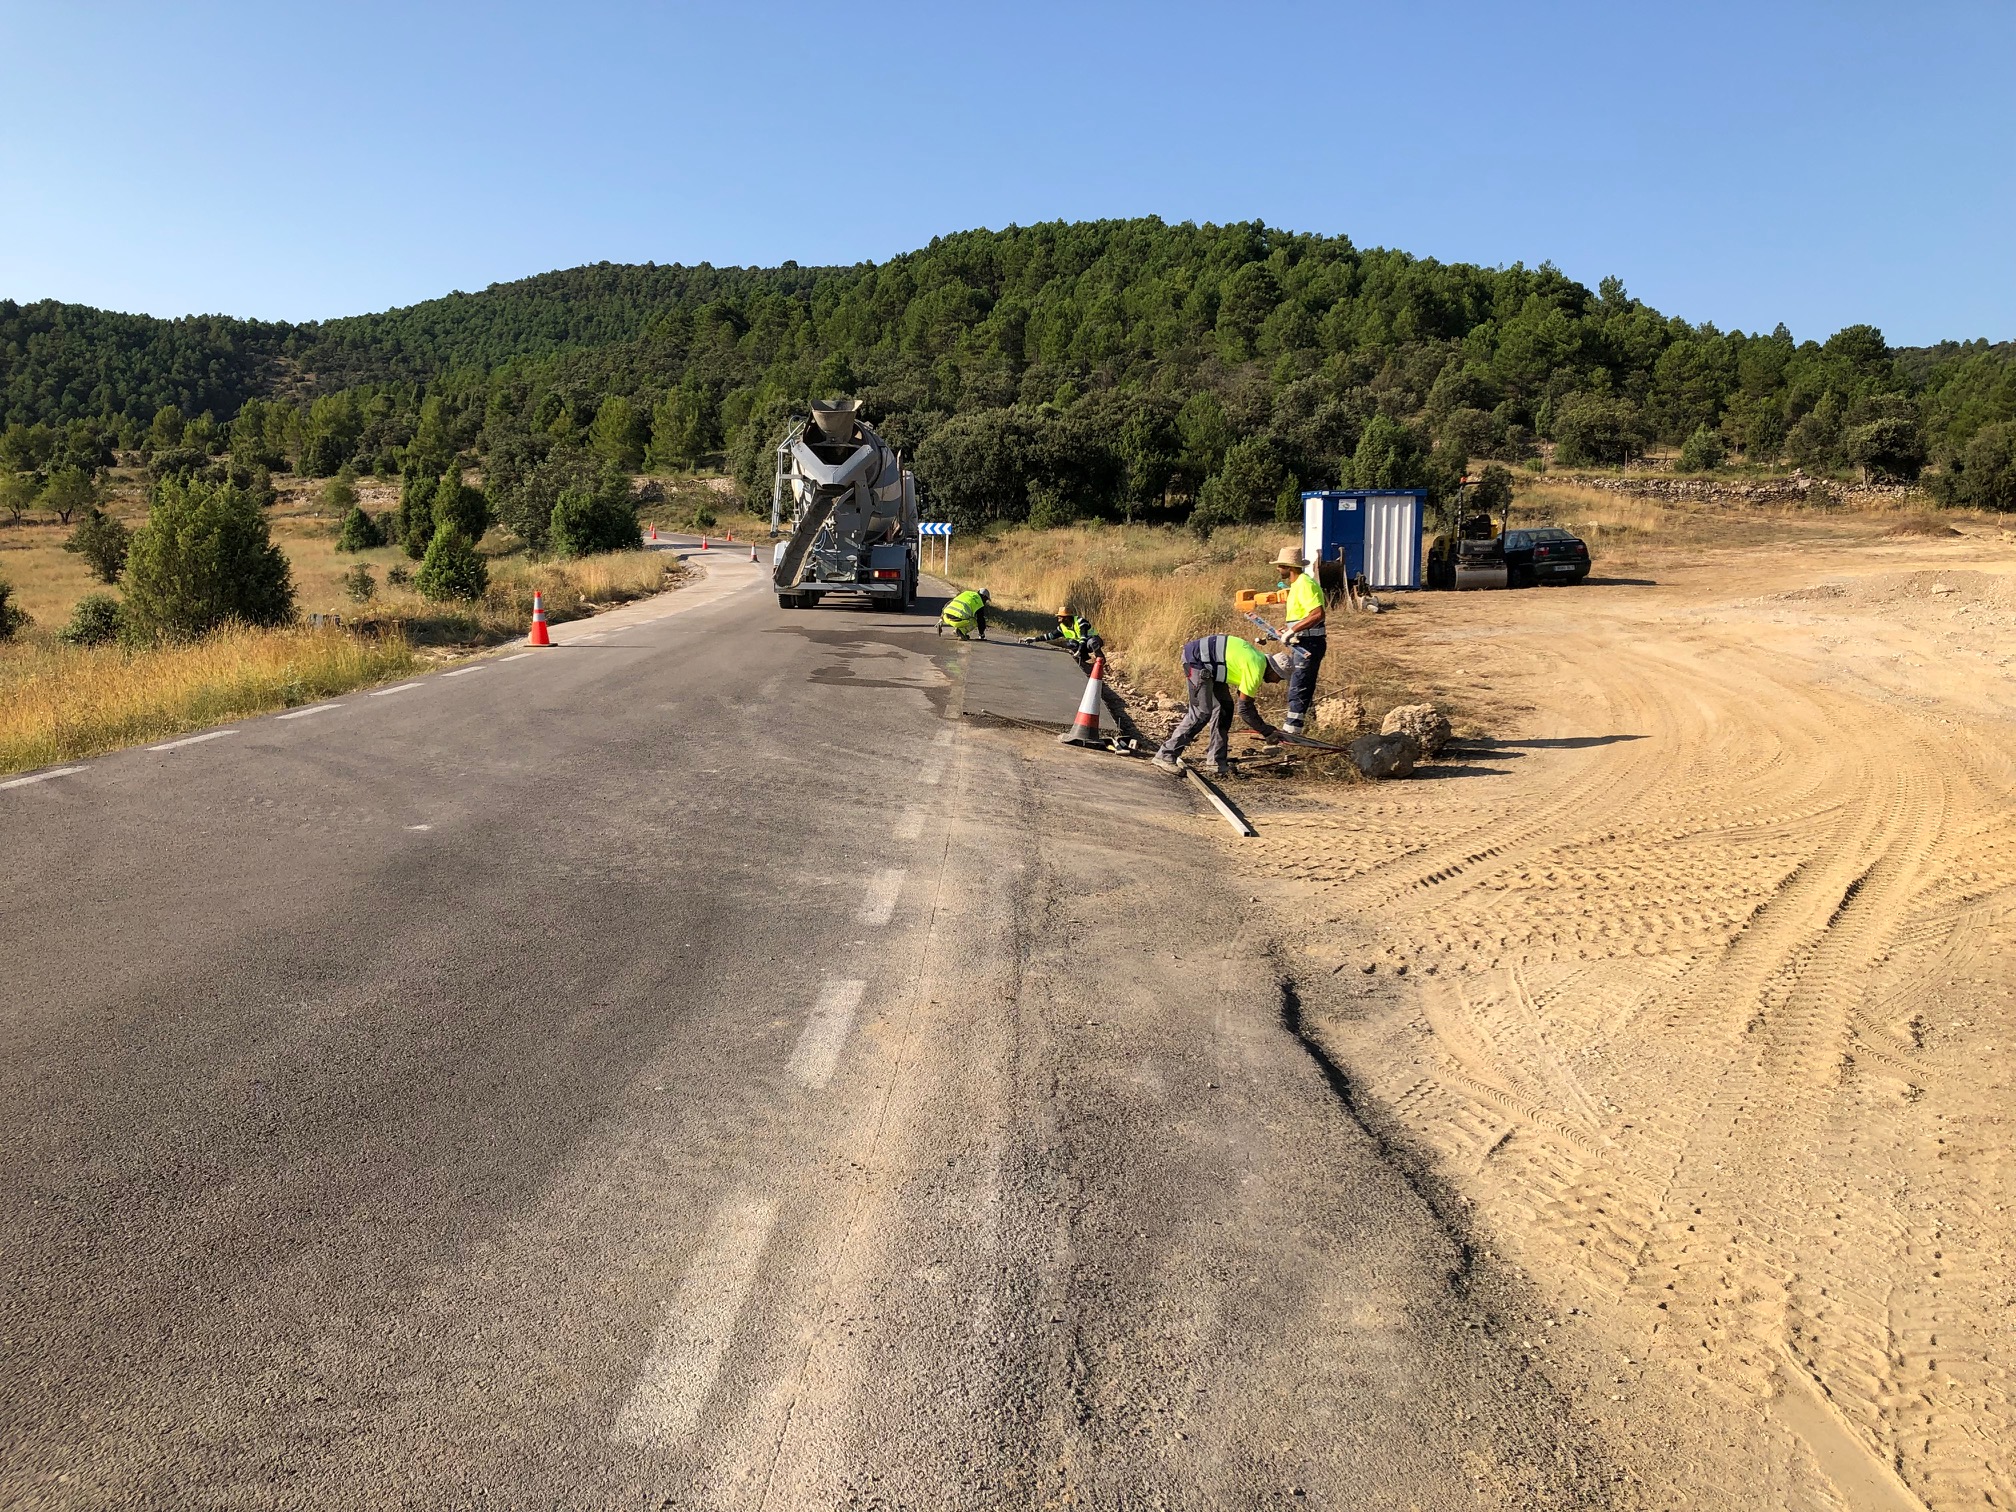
(964, 609)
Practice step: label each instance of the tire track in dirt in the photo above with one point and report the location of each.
(1707, 1028)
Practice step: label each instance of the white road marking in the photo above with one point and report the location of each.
(193, 740)
(911, 825)
(931, 774)
(818, 1048)
(388, 692)
(419, 826)
(39, 777)
(463, 671)
(311, 709)
(879, 901)
(664, 1407)
(519, 657)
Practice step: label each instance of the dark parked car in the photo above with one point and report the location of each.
(1546, 555)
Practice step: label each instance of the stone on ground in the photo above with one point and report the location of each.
(1427, 724)
(1383, 756)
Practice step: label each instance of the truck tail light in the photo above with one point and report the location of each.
(888, 574)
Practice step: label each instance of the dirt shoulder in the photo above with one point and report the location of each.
(1688, 983)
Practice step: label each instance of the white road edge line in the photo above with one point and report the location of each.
(388, 692)
(818, 1049)
(879, 901)
(519, 656)
(464, 671)
(193, 740)
(321, 708)
(678, 1375)
(39, 777)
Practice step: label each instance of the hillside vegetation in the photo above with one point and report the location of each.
(1112, 368)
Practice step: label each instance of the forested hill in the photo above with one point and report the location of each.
(1068, 368)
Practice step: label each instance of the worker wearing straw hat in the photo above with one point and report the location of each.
(1305, 635)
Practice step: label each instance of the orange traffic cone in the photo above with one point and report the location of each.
(752, 551)
(654, 532)
(538, 637)
(1085, 728)
(703, 543)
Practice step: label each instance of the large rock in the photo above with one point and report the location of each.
(1426, 723)
(1339, 714)
(1383, 756)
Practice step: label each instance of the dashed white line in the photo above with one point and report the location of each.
(388, 692)
(665, 1406)
(911, 825)
(818, 1048)
(39, 777)
(879, 901)
(322, 708)
(193, 740)
(463, 671)
(519, 656)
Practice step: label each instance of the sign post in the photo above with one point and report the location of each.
(942, 528)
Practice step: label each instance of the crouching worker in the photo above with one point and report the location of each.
(966, 613)
(1077, 634)
(1224, 672)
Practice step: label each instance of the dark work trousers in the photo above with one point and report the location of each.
(1210, 703)
(1305, 660)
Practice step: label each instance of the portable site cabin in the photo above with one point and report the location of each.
(1374, 533)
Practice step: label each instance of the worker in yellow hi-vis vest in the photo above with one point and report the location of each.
(966, 613)
(1305, 635)
(1224, 672)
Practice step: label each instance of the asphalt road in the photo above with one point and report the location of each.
(692, 1068)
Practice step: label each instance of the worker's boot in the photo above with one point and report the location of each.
(1166, 763)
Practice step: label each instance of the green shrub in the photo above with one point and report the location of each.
(1888, 450)
(12, 616)
(103, 542)
(452, 569)
(458, 506)
(704, 517)
(360, 532)
(96, 621)
(416, 514)
(1595, 430)
(399, 576)
(204, 557)
(1702, 451)
(586, 521)
(359, 584)
(339, 494)
(1048, 508)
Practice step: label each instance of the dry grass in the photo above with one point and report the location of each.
(1146, 588)
(58, 703)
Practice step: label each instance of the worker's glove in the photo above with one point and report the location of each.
(1027, 640)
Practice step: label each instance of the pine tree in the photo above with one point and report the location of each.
(452, 569)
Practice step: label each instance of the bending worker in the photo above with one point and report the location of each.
(1077, 634)
(967, 611)
(1305, 636)
(1224, 672)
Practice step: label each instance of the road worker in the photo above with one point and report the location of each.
(966, 612)
(1077, 634)
(1224, 672)
(1305, 635)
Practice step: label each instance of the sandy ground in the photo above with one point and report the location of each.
(1690, 988)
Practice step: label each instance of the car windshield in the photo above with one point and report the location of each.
(1549, 535)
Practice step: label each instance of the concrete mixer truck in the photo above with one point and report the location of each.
(852, 513)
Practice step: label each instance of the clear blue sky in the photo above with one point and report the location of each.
(1746, 163)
